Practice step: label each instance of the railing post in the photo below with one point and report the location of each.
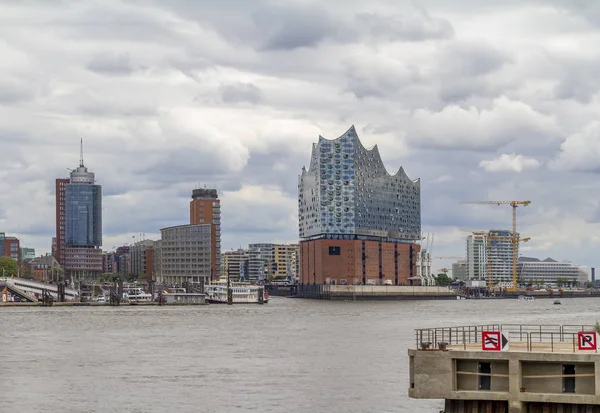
(464, 341)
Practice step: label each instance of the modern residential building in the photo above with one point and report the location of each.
(186, 254)
(261, 261)
(10, 247)
(284, 259)
(234, 264)
(491, 252)
(358, 224)
(477, 257)
(205, 208)
(551, 272)
(27, 254)
(142, 259)
(79, 224)
(500, 256)
(109, 265)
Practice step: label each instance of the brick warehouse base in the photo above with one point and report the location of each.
(353, 262)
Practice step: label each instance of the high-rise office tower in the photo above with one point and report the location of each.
(79, 224)
(358, 223)
(205, 208)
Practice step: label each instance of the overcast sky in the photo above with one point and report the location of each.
(481, 100)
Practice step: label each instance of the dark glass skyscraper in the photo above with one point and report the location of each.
(83, 215)
(82, 257)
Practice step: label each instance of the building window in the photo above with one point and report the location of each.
(568, 382)
(334, 250)
(485, 378)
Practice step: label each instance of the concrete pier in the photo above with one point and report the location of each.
(534, 369)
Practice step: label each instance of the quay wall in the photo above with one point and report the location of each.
(374, 292)
(520, 381)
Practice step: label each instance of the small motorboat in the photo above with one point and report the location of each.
(557, 302)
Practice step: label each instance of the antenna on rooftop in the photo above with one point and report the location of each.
(81, 154)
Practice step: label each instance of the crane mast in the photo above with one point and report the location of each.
(515, 238)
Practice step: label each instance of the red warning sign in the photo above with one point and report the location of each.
(586, 340)
(490, 341)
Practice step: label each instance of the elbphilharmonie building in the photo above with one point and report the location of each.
(352, 210)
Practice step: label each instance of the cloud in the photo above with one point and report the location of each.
(111, 64)
(580, 151)
(169, 96)
(241, 92)
(489, 129)
(509, 163)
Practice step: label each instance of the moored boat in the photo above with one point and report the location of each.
(241, 293)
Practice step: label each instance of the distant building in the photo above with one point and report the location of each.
(477, 257)
(10, 247)
(27, 254)
(186, 254)
(490, 255)
(108, 263)
(423, 266)
(79, 224)
(58, 242)
(261, 261)
(45, 268)
(142, 259)
(550, 272)
(357, 223)
(123, 260)
(500, 256)
(460, 270)
(205, 208)
(234, 264)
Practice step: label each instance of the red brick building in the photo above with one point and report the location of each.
(10, 247)
(59, 247)
(205, 208)
(334, 261)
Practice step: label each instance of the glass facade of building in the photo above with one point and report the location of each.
(347, 191)
(83, 217)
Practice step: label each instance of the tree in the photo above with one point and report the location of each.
(8, 267)
(442, 280)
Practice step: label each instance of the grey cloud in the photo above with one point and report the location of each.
(240, 92)
(14, 90)
(417, 26)
(111, 64)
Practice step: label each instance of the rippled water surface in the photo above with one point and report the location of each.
(289, 355)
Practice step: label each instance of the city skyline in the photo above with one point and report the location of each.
(474, 117)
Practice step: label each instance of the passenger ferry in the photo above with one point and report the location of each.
(242, 293)
(136, 295)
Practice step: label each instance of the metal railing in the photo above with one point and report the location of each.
(523, 337)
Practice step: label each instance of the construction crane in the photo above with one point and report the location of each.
(492, 237)
(515, 240)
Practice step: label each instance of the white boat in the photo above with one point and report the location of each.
(526, 298)
(136, 295)
(242, 293)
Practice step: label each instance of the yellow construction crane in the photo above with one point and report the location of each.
(492, 237)
(515, 240)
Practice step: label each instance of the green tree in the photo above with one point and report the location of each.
(8, 267)
(442, 280)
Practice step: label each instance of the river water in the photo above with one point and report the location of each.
(290, 355)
